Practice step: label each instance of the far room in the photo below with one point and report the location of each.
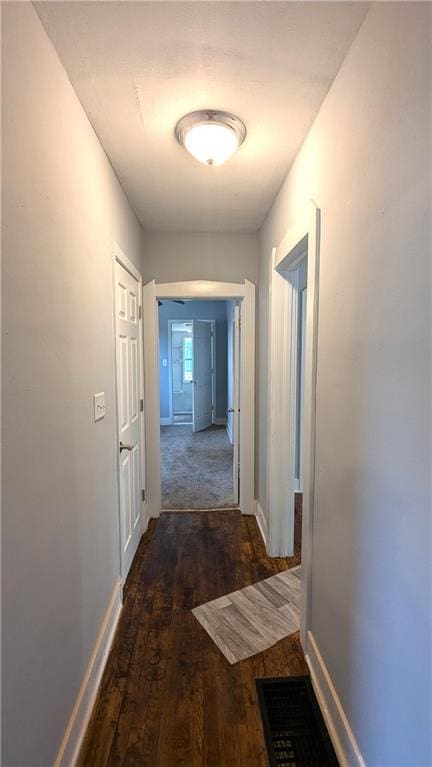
(198, 378)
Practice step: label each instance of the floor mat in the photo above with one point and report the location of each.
(294, 729)
(196, 469)
(253, 619)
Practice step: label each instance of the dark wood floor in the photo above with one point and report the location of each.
(168, 696)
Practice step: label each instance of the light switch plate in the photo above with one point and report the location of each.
(99, 405)
(164, 363)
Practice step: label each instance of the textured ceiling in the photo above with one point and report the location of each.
(137, 67)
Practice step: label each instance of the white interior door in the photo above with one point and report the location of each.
(236, 404)
(202, 375)
(127, 304)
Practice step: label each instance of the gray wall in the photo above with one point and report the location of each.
(194, 310)
(177, 256)
(62, 209)
(367, 164)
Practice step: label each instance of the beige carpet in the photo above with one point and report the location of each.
(196, 469)
(253, 619)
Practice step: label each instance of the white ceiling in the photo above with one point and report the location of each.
(137, 67)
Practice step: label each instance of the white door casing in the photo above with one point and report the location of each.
(200, 289)
(128, 380)
(282, 386)
(300, 285)
(236, 403)
(202, 392)
(151, 397)
(303, 308)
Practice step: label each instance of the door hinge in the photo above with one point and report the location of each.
(141, 405)
(143, 495)
(140, 312)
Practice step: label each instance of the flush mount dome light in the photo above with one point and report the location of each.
(211, 137)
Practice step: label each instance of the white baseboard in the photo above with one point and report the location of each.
(262, 522)
(229, 432)
(145, 516)
(165, 421)
(219, 421)
(69, 750)
(342, 737)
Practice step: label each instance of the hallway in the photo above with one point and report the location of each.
(168, 696)
(196, 468)
(217, 213)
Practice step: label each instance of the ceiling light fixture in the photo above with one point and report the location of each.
(210, 136)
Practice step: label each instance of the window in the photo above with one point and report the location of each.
(187, 360)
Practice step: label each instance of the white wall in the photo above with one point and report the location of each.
(62, 209)
(179, 256)
(367, 164)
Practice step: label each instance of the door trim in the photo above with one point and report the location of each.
(199, 289)
(120, 257)
(301, 238)
(236, 399)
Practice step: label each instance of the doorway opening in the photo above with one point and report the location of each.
(196, 375)
(186, 339)
(291, 418)
(180, 361)
(240, 432)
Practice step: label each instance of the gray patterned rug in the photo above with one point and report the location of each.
(196, 469)
(253, 619)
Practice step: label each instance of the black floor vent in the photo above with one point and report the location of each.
(294, 729)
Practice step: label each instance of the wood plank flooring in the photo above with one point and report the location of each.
(168, 696)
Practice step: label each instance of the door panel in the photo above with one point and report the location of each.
(135, 479)
(122, 378)
(202, 375)
(134, 380)
(125, 501)
(129, 427)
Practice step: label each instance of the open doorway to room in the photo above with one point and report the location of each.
(180, 372)
(174, 295)
(299, 372)
(196, 382)
(291, 418)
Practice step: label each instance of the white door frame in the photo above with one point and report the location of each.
(236, 400)
(199, 289)
(170, 375)
(123, 260)
(300, 239)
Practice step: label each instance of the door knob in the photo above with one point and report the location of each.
(125, 447)
(230, 410)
